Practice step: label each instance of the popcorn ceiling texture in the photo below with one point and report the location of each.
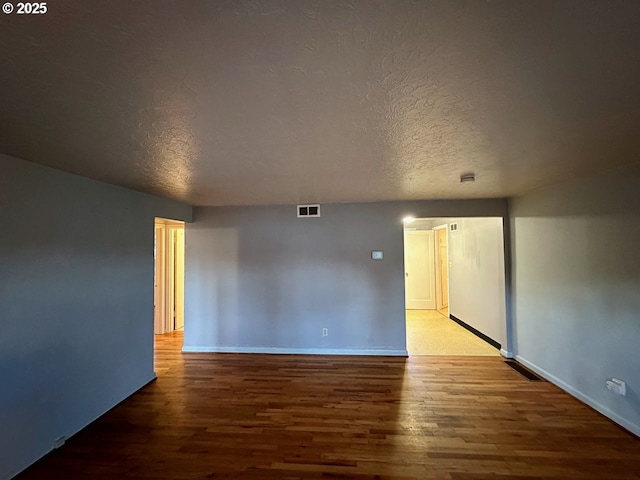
(265, 101)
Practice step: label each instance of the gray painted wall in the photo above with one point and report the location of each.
(576, 285)
(76, 296)
(259, 279)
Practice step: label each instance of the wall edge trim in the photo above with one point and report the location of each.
(607, 412)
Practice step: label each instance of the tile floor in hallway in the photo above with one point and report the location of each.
(431, 333)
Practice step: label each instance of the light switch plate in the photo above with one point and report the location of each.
(377, 255)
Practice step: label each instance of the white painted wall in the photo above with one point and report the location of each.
(477, 276)
(76, 303)
(576, 287)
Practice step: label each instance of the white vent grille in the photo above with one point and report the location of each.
(309, 210)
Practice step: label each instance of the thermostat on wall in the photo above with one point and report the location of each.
(376, 255)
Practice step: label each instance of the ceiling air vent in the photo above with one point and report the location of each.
(309, 210)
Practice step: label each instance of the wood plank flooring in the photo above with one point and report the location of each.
(233, 416)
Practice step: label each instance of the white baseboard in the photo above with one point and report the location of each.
(298, 351)
(505, 353)
(607, 412)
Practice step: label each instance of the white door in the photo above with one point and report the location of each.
(420, 291)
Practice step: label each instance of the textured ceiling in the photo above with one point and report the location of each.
(275, 101)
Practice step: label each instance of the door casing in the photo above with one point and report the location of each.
(442, 266)
(420, 293)
(168, 276)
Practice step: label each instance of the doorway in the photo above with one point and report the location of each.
(168, 293)
(468, 316)
(419, 275)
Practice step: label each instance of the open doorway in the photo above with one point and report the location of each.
(169, 253)
(454, 286)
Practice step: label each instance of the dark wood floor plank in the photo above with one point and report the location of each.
(286, 417)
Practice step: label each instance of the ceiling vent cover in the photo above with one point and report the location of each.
(309, 210)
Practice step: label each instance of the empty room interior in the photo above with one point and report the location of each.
(308, 239)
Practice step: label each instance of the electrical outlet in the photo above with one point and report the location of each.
(58, 442)
(325, 332)
(617, 386)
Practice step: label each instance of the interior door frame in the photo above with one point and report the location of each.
(170, 318)
(436, 247)
(179, 277)
(159, 277)
(425, 233)
(165, 308)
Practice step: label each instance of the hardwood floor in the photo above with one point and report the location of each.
(235, 416)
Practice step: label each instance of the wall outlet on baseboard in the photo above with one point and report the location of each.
(325, 332)
(617, 386)
(58, 442)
